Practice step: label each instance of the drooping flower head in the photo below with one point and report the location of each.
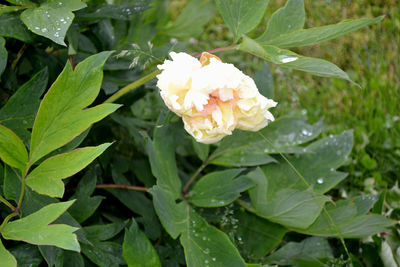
(213, 98)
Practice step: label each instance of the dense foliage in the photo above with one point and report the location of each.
(141, 191)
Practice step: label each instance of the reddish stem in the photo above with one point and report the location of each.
(123, 186)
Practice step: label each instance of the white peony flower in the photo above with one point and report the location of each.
(213, 98)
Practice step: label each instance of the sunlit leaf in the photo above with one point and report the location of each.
(6, 258)
(12, 150)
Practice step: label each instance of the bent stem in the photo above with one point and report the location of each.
(132, 86)
(15, 213)
(123, 186)
(219, 49)
(7, 203)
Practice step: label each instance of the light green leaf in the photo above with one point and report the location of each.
(289, 59)
(205, 245)
(137, 249)
(12, 150)
(123, 11)
(47, 177)
(35, 228)
(312, 248)
(20, 2)
(245, 148)
(11, 26)
(256, 235)
(63, 114)
(8, 9)
(171, 214)
(6, 258)
(3, 55)
(191, 20)
(218, 189)
(287, 19)
(162, 159)
(19, 112)
(347, 221)
(241, 16)
(317, 166)
(52, 18)
(318, 34)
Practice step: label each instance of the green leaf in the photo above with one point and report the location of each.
(285, 20)
(19, 112)
(11, 26)
(312, 248)
(35, 228)
(12, 183)
(53, 256)
(27, 255)
(348, 221)
(191, 20)
(256, 235)
(85, 205)
(12, 150)
(8, 9)
(318, 35)
(3, 55)
(264, 81)
(73, 259)
(47, 177)
(6, 258)
(162, 159)
(317, 166)
(63, 114)
(241, 16)
(289, 59)
(200, 149)
(218, 189)
(205, 245)
(123, 11)
(52, 18)
(171, 214)
(137, 249)
(245, 148)
(103, 232)
(20, 2)
(104, 254)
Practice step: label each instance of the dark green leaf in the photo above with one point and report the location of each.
(137, 249)
(85, 205)
(264, 81)
(287, 19)
(47, 177)
(241, 16)
(11, 26)
(12, 150)
(191, 20)
(104, 254)
(34, 228)
(3, 55)
(171, 214)
(103, 232)
(19, 112)
(52, 18)
(256, 235)
(218, 189)
(27, 255)
(63, 114)
(312, 248)
(318, 34)
(200, 149)
(347, 221)
(6, 258)
(54, 256)
(205, 245)
(12, 183)
(73, 259)
(253, 148)
(289, 59)
(162, 159)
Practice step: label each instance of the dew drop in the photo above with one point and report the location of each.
(206, 251)
(287, 59)
(60, 3)
(332, 169)
(204, 238)
(214, 259)
(44, 30)
(37, 28)
(206, 261)
(320, 180)
(266, 150)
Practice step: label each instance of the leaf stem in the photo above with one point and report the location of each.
(132, 86)
(7, 203)
(19, 55)
(123, 186)
(219, 49)
(15, 213)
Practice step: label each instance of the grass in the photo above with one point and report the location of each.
(369, 56)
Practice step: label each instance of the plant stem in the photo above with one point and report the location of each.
(194, 176)
(246, 206)
(132, 86)
(15, 213)
(8, 204)
(123, 186)
(219, 49)
(19, 55)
